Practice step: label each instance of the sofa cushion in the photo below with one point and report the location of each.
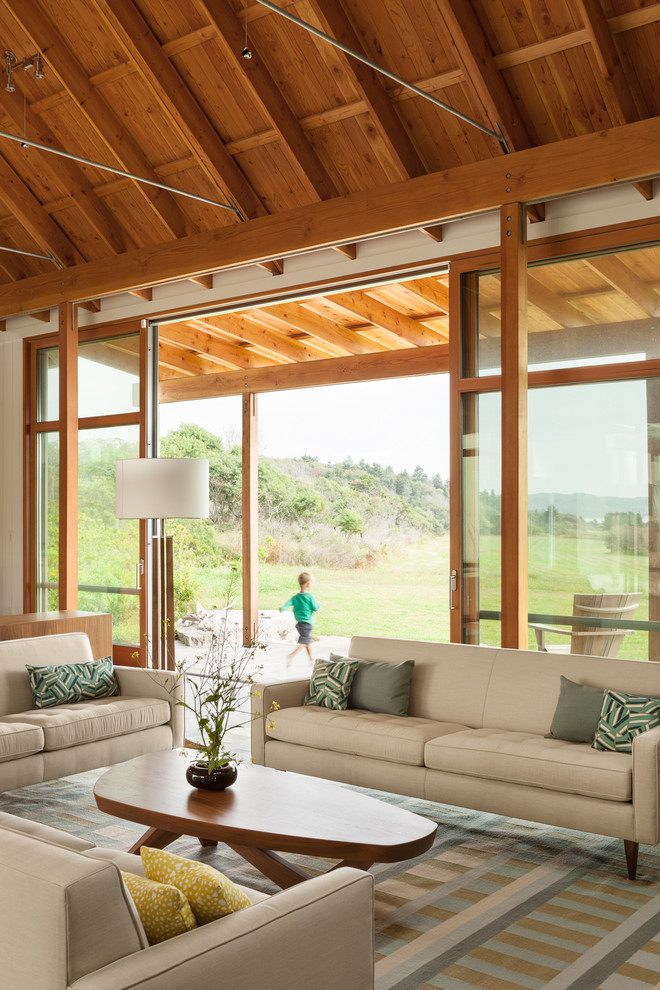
(211, 894)
(19, 739)
(62, 684)
(163, 910)
(88, 721)
(360, 733)
(577, 713)
(533, 760)
(624, 717)
(380, 687)
(330, 683)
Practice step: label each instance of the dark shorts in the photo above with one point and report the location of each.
(304, 632)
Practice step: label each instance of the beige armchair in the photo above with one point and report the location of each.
(587, 640)
(68, 924)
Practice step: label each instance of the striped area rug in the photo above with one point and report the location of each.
(497, 904)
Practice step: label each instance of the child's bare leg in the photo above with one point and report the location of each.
(292, 655)
(309, 650)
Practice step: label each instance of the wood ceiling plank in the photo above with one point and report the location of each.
(279, 345)
(564, 313)
(303, 317)
(133, 32)
(182, 359)
(167, 216)
(202, 342)
(67, 174)
(480, 69)
(254, 72)
(618, 155)
(34, 218)
(356, 368)
(370, 86)
(609, 63)
(621, 277)
(372, 309)
(431, 290)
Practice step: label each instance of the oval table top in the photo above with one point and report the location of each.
(265, 808)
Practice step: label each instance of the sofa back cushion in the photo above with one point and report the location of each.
(524, 687)
(62, 914)
(449, 680)
(15, 654)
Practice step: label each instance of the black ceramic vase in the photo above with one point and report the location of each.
(198, 775)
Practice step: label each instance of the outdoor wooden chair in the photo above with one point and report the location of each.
(585, 640)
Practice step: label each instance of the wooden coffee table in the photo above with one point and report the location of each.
(265, 810)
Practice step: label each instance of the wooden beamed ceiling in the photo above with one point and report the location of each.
(313, 148)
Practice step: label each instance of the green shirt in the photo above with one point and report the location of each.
(304, 606)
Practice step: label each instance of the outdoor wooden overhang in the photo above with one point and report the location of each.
(305, 144)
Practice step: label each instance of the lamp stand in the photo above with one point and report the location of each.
(163, 631)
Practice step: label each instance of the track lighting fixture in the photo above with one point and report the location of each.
(30, 62)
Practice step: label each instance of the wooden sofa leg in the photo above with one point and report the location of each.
(632, 851)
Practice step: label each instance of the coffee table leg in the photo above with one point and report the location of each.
(157, 838)
(278, 870)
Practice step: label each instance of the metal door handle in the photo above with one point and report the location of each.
(139, 571)
(453, 584)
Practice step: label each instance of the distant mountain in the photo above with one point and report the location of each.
(589, 506)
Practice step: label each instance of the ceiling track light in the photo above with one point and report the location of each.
(29, 62)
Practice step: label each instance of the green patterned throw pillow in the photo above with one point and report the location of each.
(622, 718)
(65, 684)
(330, 683)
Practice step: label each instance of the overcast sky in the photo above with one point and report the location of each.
(401, 423)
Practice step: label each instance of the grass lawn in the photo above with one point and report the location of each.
(406, 595)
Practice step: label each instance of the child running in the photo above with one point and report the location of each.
(304, 605)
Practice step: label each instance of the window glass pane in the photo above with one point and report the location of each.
(595, 310)
(108, 548)
(481, 324)
(48, 384)
(109, 376)
(48, 519)
(481, 518)
(594, 508)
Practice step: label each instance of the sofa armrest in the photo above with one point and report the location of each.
(318, 935)
(646, 788)
(141, 682)
(286, 694)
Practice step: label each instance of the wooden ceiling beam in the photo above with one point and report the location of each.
(302, 317)
(334, 20)
(66, 174)
(206, 281)
(146, 293)
(431, 290)
(169, 220)
(553, 305)
(279, 345)
(34, 218)
(356, 368)
(476, 59)
(171, 92)
(253, 71)
(194, 335)
(182, 359)
(618, 155)
(365, 306)
(625, 280)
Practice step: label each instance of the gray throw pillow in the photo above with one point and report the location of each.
(379, 686)
(577, 713)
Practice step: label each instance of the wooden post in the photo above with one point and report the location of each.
(68, 498)
(653, 444)
(250, 511)
(514, 426)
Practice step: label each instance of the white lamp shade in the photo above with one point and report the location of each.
(163, 488)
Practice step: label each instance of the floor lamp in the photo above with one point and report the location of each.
(161, 488)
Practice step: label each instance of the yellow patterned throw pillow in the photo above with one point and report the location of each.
(164, 910)
(211, 894)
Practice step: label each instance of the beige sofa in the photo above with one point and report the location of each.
(474, 738)
(42, 744)
(68, 922)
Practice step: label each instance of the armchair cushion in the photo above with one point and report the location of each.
(210, 893)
